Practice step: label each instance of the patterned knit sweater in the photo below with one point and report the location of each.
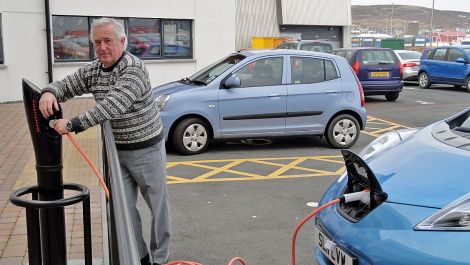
(123, 95)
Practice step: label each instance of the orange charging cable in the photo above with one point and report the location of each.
(93, 167)
(312, 214)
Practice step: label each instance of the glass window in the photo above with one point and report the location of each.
(316, 47)
(144, 37)
(70, 38)
(213, 71)
(307, 70)
(439, 54)
(454, 54)
(177, 38)
(1, 41)
(263, 72)
(376, 57)
(330, 70)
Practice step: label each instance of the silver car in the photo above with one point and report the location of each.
(410, 63)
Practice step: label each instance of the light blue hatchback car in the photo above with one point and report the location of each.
(264, 93)
(419, 206)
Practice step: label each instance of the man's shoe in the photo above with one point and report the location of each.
(145, 260)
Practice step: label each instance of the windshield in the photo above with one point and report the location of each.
(467, 50)
(212, 71)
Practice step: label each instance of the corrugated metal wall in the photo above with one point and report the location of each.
(316, 12)
(259, 18)
(254, 18)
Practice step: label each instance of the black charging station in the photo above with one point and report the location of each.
(45, 217)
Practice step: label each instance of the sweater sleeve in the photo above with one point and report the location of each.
(129, 87)
(72, 85)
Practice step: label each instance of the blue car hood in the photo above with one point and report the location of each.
(172, 87)
(423, 171)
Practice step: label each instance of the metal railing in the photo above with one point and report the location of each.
(121, 238)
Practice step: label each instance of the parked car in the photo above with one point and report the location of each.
(410, 63)
(264, 93)
(307, 45)
(378, 69)
(445, 65)
(418, 209)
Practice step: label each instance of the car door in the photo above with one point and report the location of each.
(438, 66)
(455, 71)
(313, 90)
(258, 106)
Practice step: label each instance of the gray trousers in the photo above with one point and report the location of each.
(146, 169)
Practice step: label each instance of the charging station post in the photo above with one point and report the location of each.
(45, 217)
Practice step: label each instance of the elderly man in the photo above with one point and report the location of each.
(121, 87)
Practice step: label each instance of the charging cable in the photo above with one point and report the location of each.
(88, 160)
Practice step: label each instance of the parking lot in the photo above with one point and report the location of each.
(245, 198)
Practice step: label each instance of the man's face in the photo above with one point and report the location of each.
(108, 48)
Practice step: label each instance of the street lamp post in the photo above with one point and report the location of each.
(432, 24)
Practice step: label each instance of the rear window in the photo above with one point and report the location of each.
(344, 53)
(410, 55)
(316, 47)
(376, 57)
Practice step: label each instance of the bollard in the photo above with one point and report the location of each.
(45, 212)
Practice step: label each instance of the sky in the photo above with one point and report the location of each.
(455, 5)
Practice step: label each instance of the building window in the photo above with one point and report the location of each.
(145, 38)
(1, 41)
(177, 38)
(70, 38)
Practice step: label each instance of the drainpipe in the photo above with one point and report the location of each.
(48, 38)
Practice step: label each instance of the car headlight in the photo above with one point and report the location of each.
(162, 100)
(385, 141)
(454, 217)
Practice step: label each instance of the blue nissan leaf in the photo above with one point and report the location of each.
(419, 210)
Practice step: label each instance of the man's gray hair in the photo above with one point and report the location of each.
(118, 28)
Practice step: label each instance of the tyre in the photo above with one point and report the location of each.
(423, 80)
(392, 96)
(467, 84)
(191, 136)
(343, 131)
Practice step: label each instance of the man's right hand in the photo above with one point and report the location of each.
(47, 104)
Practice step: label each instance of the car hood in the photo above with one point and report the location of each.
(423, 171)
(172, 87)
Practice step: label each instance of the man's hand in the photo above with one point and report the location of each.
(47, 104)
(60, 126)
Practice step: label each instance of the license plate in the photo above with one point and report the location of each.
(334, 253)
(379, 74)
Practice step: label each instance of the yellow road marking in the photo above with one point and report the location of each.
(375, 127)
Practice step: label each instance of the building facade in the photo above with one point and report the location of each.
(174, 38)
(44, 40)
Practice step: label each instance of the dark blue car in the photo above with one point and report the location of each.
(445, 65)
(378, 69)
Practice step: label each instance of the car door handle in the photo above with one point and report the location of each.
(331, 91)
(274, 95)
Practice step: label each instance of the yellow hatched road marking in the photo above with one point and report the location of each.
(281, 171)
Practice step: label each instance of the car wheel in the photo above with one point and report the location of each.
(342, 131)
(467, 84)
(423, 80)
(392, 96)
(191, 136)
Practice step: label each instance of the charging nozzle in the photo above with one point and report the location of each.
(362, 196)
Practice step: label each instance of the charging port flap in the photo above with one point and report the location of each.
(360, 178)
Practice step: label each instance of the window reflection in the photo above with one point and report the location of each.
(70, 38)
(144, 37)
(177, 38)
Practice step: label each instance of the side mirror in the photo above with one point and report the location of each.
(461, 60)
(232, 81)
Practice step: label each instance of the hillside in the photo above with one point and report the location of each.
(378, 17)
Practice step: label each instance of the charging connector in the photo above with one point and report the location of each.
(362, 196)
